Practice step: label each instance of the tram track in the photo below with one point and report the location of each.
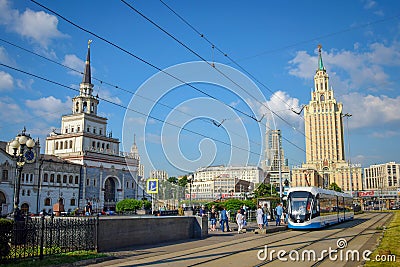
(216, 254)
(309, 243)
(387, 217)
(271, 243)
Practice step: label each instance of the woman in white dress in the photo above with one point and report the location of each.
(260, 220)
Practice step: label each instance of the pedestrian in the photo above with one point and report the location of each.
(260, 219)
(213, 218)
(239, 221)
(88, 209)
(279, 212)
(202, 211)
(224, 220)
(181, 212)
(265, 214)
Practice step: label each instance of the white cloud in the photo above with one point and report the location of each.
(385, 134)
(75, 63)
(350, 69)
(369, 4)
(39, 27)
(105, 94)
(369, 110)
(49, 108)
(5, 58)
(6, 81)
(13, 111)
(277, 104)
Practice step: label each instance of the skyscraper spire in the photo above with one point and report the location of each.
(87, 74)
(320, 64)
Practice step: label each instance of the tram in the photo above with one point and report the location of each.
(314, 207)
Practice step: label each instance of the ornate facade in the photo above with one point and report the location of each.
(107, 175)
(325, 157)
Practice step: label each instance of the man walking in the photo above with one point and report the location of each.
(279, 212)
(224, 220)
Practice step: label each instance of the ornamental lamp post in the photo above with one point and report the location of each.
(22, 152)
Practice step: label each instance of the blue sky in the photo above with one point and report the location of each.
(276, 43)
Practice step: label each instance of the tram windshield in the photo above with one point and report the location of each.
(300, 205)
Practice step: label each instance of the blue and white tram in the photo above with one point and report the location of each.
(314, 207)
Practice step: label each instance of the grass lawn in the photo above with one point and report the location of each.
(56, 260)
(389, 245)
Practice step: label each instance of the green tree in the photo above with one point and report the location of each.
(146, 204)
(335, 187)
(183, 181)
(173, 180)
(264, 190)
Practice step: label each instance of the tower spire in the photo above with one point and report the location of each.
(87, 74)
(320, 64)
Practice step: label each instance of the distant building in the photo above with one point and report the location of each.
(382, 176)
(224, 181)
(325, 157)
(251, 174)
(275, 166)
(159, 174)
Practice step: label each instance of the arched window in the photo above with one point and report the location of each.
(71, 179)
(93, 144)
(66, 144)
(84, 106)
(58, 178)
(77, 107)
(76, 179)
(73, 201)
(45, 177)
(61, 145)
(5, 175)
(23, 192)
(52, 178)
(70, 144)
(56, 145)
(47, 202)
(64, 179)
(28, 193)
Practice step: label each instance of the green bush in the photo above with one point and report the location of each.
(6, 227)
(129, 205)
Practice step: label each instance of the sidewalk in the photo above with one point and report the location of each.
(146, 253)
(250, 227)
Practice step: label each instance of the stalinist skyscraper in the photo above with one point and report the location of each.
(325, 151)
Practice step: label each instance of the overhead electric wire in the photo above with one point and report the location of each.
(222, 73)
(130, 109)
(122, 89)
(139, 58)
(148, 63)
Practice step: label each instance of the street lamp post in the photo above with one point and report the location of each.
(190, 180)
(22, 153)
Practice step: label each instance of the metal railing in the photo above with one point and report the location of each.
(36, 237)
